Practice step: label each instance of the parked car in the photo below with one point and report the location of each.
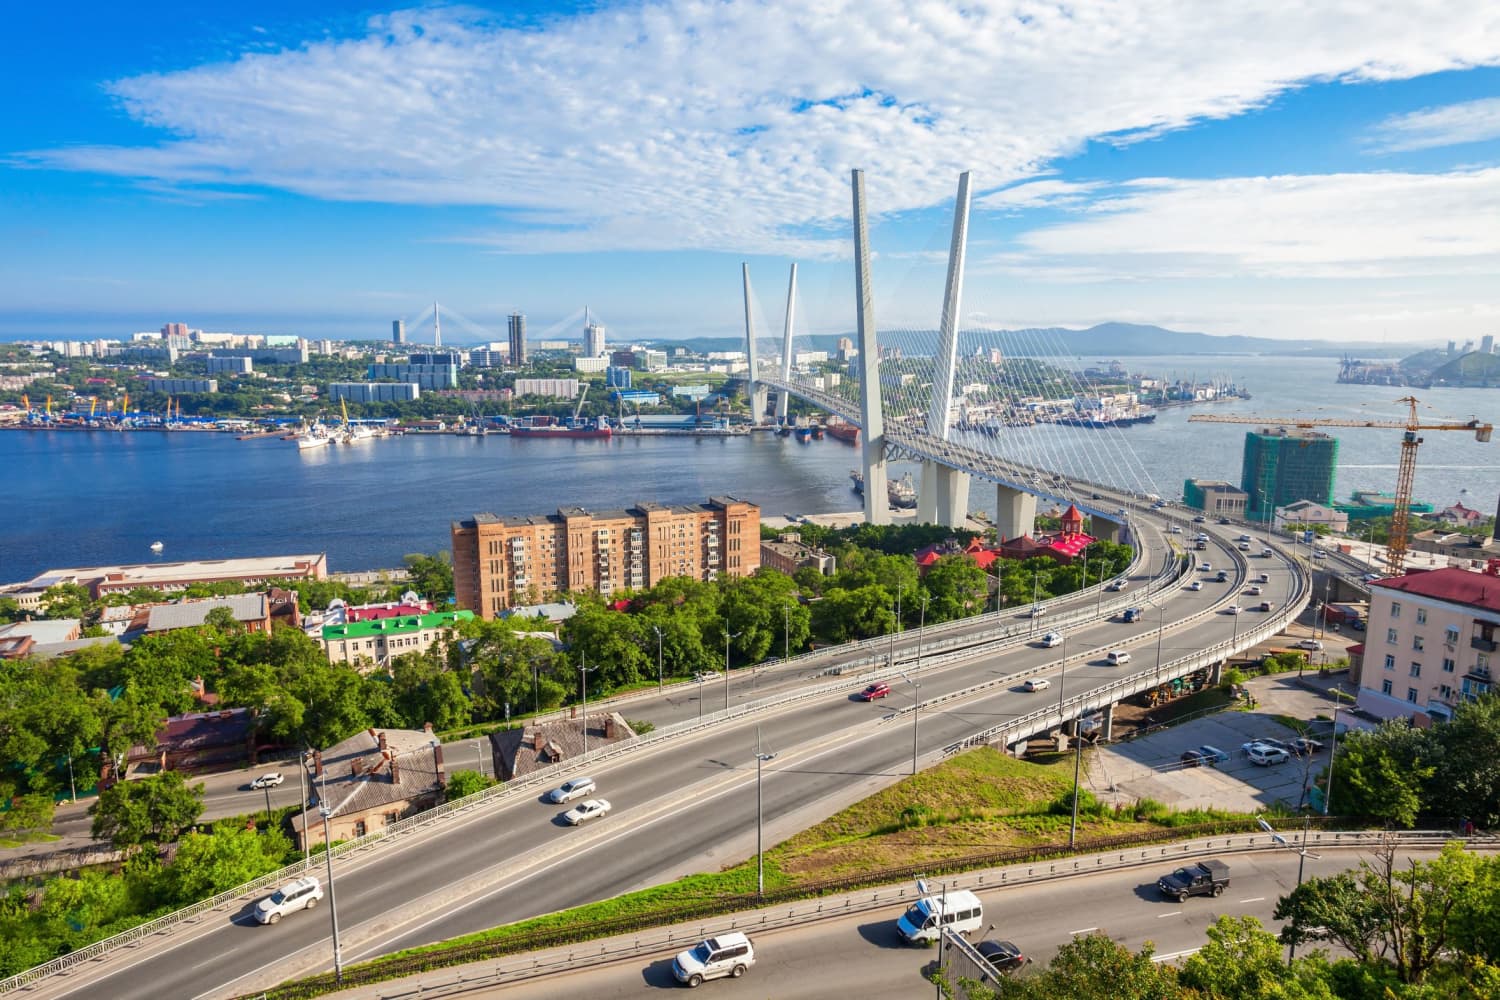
(1192, 758)
(577, 788)
(1305, 746)
(1266, 741)
(729, 955)
(1004, 956)
(268, 780)
(879, 689)
(302, 894)
(1037, 684)
(1266, 756)
(587, 810)
(1213, 752)
(1206, 878)
(1308, 644)
(1052, 639)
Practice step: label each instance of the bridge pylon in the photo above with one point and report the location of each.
(944, 498)
(872, 419)
(753, 389)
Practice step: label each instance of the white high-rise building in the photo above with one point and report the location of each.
(593, 337)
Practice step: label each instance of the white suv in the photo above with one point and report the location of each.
(302, 894)
(1267, 755)
(570, 790)
(725, 955)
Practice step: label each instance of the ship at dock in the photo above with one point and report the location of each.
(843, 430)
(1098, 419)
(552, 429)
(902, 493)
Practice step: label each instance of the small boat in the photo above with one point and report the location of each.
(157, 546)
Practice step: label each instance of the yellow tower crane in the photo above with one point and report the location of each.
(1405, 471)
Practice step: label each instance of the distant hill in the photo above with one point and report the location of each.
(1473, 369)
(1107, 340)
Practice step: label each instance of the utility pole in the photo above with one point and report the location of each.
(761, 758)
(583, 672)
(660, 686)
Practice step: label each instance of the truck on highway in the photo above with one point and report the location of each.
(1206, 878)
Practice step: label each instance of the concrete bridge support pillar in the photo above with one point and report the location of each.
(1107, 531)
(1015, 512)
(1108, 712)
(944, 498)
(1216, 674)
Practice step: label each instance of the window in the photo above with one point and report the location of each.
(1395, 609)
(1385, 686)
(1483, 661)
(1416, 643)
(1421, 616)
(1448, 665)
(1451, 636)
(1416, 669)
(1445, 692)
(1390, 661)
(1411, 695)
(1390, 636)
(359, 828)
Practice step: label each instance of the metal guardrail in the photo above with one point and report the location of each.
(813, 910)
(405, 826)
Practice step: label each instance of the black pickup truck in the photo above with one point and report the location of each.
(1206, 878)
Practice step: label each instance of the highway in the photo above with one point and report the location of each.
(688, 807)
(860, 955)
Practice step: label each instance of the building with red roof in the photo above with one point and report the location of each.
(1432, 643)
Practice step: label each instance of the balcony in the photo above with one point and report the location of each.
(1483, 645)
(1481, 674)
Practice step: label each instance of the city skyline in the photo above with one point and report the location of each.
(1333, 177)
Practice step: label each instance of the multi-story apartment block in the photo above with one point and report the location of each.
(501, 561)
(1431, 642)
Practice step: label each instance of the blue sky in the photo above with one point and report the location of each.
(1271, 170)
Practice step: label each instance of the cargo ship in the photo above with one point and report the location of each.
(1098, 419)
(547, 427)
(901, 493)
(844, 431)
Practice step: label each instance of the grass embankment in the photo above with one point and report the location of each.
(978, 802)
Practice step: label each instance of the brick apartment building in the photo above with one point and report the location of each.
(1431, 643)
(501, 561)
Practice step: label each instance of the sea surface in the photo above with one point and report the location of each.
(92, 498)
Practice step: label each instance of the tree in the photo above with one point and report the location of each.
(10, 610)
(1382, 774)
(1242, 959)
(1466, 781)
(843, 615)
(66, 600)
(431, 576)
(227, 856)
(150, 810)
(959, 588)
(1091, 967)
(610, 642)
(27, 815)
(424, 690)
(462, 784)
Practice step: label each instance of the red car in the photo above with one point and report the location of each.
(877, 690)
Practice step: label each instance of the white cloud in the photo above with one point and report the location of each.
(1293, 227)
(698, 124)
(1050, 193)
(1471, 121)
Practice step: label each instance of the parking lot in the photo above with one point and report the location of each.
(1151, 766)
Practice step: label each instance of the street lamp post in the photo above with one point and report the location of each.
(267, 790)
(728, 636)
(786, 633)
(1334, 751)
(1077, 768)
(921, 627)
(72, 788)
(660, 684)
(1291, 952)
(536, 690)
(761, 757)
(478, 759)
(700, 678)
(1035, 589)
(1161, 627)
(916, 706)
(306, 840)
(333, 907)
(1099, 605)
(583, 672)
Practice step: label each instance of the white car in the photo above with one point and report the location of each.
(570, 790)
(703, 676)
(1253, 591)
(1266, 756)
(1052, 639)
(1233, 609)
(1037, 684)
(1175, 529)
(267, 780)
(1309, 644)
(1195, 585)
(725, 955)
(587, 810)
(302, 894)
(1117, 657)
(1037, 611)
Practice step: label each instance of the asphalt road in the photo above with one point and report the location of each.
(689, 807)
(861, 955)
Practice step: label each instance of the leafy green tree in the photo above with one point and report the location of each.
(131, 814)
(425, 690)
(758, 608)
(1092, 967)
(507, 667)
(67, 600)
(1383, 774)
(1242, 959)
(462, 784)
(610, 642)
(843, 615)
(27, 815)
(431, 576)
(10, 610)
(228, 855)
(1466, 779)
(958, 587)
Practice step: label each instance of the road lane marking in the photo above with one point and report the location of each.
(1162, 916)
(1086, 930)
(1176, 954)
(1254, 899)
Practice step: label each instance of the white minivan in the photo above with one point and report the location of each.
(1118, 656)
(960, 911)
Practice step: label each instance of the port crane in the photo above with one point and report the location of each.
(1405, 472)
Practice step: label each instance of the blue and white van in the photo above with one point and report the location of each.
(960, 911)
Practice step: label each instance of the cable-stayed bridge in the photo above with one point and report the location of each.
(1007, 409)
